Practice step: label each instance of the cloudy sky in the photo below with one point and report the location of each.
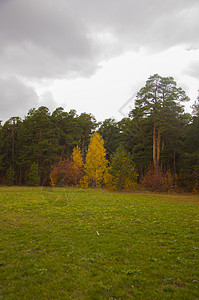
(91, 55)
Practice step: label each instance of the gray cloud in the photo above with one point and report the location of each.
(51, 39)
(193, 69)
(16, 98)
(48, 100)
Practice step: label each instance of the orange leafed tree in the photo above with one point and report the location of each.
(62, 173)
(68, 171)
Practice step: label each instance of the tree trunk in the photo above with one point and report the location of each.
(13, 144)
(162, 145)
(83, 140)
(158, 146)
(174, 162)
(154, 145)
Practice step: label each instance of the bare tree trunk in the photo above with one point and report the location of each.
(163, 145)
(154, 145)
(174, 162)
(158, 146)
(13, 143)
(83, 140)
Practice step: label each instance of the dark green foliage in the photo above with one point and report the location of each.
(42, 138)
(33, 176)
(10, 176)
(161, 123)
(122, 170)
(158, 118)
(189, 162)
(195, 107)
(111, 134)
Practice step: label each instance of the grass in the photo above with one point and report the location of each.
(59, 243)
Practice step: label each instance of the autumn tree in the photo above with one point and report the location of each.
(78, 164)
(96, 162)
(62, 173)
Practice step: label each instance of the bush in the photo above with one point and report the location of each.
(157, 180)
(65, 172)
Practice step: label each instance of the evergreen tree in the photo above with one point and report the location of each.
(40, 142)
(195, 107)
(87, 124)
(110, 132)
(189, 163)
(121, 173)
(10, 148)
(10, 176)
(158, 104)
(33, 176)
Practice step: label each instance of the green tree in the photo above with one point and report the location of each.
(121, 172)
(10, 176)
(110, 132)
(87, 125)
(189, 163)
(195, 107)
(33, 176)
(2, 155)
(158, 104)
(10, 148)
(39, 142)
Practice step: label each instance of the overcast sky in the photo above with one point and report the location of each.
(91, 55)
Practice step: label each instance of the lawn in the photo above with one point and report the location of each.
(65, 243)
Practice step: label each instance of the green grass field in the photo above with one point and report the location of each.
(62, 243)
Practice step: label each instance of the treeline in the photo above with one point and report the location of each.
(157, 145)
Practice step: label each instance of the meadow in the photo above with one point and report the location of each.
(67, 243)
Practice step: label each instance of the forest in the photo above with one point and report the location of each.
(156, 146)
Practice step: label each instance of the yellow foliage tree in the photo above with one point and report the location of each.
(77, 157)
(78, 163)
(96, 162)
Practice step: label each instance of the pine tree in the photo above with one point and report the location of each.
(121, 173)
(158, 104)
(33, 176)
(10, 176)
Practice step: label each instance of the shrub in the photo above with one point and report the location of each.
(157, 180)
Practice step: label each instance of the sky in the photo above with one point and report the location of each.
(93, 56)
